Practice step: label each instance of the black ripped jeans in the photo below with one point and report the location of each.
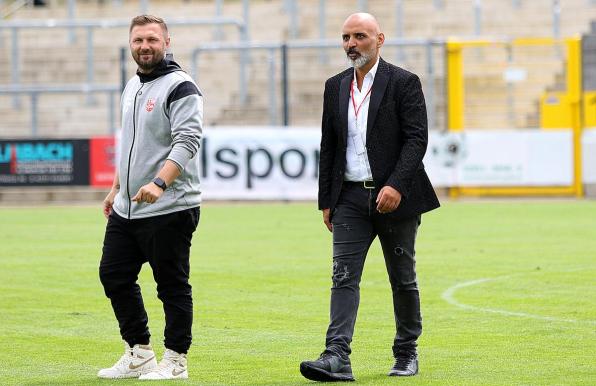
(356, 223)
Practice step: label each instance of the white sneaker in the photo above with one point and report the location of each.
(139, 359)
(172, 366)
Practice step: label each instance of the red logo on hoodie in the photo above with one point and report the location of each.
(150, 105)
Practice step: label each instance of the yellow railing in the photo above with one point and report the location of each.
(566, 113)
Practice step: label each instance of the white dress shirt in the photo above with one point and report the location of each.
(357, 166)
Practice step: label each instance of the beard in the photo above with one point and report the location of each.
(148, 65)
(361, 60)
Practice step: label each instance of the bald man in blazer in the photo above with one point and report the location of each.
(372, 183)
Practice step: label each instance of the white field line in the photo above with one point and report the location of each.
(448, 296)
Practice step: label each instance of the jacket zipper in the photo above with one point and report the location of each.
(134, 130)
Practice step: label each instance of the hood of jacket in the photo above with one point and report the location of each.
(166, 66)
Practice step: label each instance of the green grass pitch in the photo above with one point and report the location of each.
(508, 296)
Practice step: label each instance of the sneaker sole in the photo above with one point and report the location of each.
(319, 375)
(120, 376)
(147, 377)
(396, 374)
(135, 374)
(161, 379)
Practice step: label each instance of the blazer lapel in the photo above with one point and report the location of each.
(376, 96)
(344, 99)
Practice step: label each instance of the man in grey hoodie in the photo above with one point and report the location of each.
(153, 206)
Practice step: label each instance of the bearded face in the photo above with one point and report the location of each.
(358, 59)
(147, 59)
(148, 45)
(362, 40)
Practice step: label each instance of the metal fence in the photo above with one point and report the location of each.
(90, 26)
(34, 92)
(90, 86)
(280, 61)
(397, 7)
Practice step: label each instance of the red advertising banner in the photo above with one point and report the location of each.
(102, 160)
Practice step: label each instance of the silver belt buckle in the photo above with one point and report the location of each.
(368, 184)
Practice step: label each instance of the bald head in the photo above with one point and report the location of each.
(362, 39)
(363, 20)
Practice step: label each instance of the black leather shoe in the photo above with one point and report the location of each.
(328, 368)
(406, 364)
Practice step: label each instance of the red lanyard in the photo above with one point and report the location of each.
(356, 110)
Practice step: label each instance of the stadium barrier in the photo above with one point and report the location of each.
(57, 162)
(565, 118)
(266, 163)
(425, 51)
(91, 26)
(34, 91)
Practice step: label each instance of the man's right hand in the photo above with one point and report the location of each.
(108, 202)
(326, 220)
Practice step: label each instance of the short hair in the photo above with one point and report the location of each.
(148, 19)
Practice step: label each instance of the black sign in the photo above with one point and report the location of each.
(44, 162)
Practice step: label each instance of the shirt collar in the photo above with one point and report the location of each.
(371, 73)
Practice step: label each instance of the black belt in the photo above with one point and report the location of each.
(361, 184)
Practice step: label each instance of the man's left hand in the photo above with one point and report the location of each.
(148, 193)
(388, 199)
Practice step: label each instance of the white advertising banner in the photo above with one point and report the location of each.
(265, 163)
(589, 156)
(500, 158)
(260, 163)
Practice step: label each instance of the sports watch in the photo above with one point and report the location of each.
(159, 182)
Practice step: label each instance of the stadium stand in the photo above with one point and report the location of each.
(50, 57)
(589, 59)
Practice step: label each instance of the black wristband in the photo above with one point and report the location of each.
(159, 182)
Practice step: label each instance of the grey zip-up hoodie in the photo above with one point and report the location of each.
(162, 118)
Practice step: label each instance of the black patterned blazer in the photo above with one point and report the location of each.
(396, 138)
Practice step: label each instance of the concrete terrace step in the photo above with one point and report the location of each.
(47, 55)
